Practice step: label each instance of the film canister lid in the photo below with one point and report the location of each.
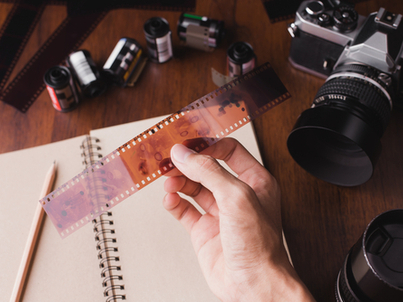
(57, 76)
(240, 52)
(156, 27)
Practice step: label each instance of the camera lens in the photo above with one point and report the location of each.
(338, 138)
(373, 269)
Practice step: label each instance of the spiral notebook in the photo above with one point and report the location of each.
(136, 252)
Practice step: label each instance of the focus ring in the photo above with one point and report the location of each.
(364, 92)
(344, 289)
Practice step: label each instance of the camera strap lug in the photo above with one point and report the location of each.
(292, 29)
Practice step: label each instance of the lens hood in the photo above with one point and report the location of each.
(334, 145)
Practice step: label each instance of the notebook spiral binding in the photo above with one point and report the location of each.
(109, 261)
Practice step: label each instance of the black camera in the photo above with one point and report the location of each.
(338, 138)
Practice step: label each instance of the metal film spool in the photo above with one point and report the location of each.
(61, 88)
(125, 63)
(240, 59)
(200, 32)
(159, 40)
(87, 75)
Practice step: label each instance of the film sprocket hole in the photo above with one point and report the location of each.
(338, 138)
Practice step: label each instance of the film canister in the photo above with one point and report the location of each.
(200, 32)
(240, 59)
(85, 71)
(125, 63)
(61, 88)
(159, 39)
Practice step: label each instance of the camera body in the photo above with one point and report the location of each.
(327, 35)
(338, 139)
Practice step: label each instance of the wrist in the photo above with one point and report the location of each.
(268, 285)
(288, 287)
(285, 285)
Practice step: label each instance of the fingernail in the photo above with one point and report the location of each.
(179, 153)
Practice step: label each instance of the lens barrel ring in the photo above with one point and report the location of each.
(343, 291)
(368, 73)
(358, 68)
(347, 297)
(376, 103)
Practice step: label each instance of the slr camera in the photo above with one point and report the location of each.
(338, 138)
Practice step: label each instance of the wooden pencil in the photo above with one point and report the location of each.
(32, 237)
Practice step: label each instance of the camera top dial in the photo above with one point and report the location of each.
(345, 18)
(314, 8)
(342, 18)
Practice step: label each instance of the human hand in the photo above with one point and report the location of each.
(238, 240)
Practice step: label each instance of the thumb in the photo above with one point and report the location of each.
(197, 167)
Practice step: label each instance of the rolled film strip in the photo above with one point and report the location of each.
(62, 89)
(89, 78)
(240, 60)
(159, 39)
(200, 32)
(126, 62)
(143, 159)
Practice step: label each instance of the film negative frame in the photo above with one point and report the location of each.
(146, 157)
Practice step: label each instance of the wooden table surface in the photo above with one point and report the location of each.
(321, 221)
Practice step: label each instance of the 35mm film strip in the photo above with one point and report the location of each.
(146, 157)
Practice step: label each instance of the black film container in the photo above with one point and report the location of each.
(373, 269)
(200, 32)
(86, 73)
(125, 62)
(240, 59)
(159, 39)
(62, 90)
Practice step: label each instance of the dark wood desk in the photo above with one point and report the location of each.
(321, 221)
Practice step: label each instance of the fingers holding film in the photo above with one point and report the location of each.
(248, 169)
(182, 210)
(203, 197)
